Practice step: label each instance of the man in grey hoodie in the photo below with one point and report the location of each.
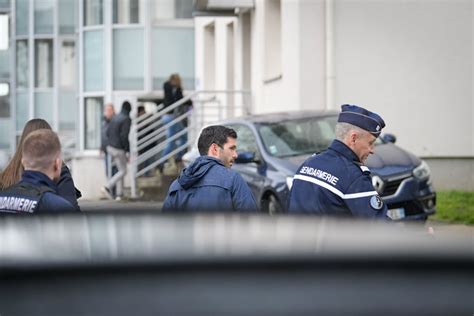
(209, 184)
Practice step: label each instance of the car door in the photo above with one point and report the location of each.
(246, 141)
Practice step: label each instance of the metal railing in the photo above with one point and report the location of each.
(149, 133)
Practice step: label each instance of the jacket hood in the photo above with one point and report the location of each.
(198, 169)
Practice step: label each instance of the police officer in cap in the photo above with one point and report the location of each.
(37, 190)
(336, 182)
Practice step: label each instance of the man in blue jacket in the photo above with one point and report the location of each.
(209, 184)
(37, 190)
(336, 182)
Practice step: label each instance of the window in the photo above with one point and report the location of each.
(128, 59)
(93, 116)
(67, 85)
(93, 61)
(272, 40)
(4, 4)
(4, 99)
(4, 32)
(67, 65)
(246, 139)
(5, 131)
(93, 12)
(5, 64)
(173, 52)
(44, 106)
(21, 17)
(44, 16)
(44, 63)
(22, 110)
(67, 110)
(67, 16)
(22, 64)
(126, 11)
(298, 136)
(172, 9)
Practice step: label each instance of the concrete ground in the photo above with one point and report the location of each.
(443, 227)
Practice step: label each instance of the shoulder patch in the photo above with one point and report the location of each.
(376, 202)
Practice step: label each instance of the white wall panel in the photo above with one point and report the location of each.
(411, 61)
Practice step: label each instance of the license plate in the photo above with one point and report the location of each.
(396, 213)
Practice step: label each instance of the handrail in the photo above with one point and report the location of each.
(150, 130)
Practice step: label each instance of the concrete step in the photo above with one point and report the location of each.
(155, 187)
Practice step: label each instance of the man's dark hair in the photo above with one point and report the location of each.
(215, 134)
(126, 107)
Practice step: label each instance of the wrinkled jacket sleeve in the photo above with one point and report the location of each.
(242, 197)
(51, 203)
(124, 131)
(169, 204)
(364, 203)
(66, 188)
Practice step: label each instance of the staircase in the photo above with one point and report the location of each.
(148, 137)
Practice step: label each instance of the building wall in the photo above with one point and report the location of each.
(452, 173)
(411, 61)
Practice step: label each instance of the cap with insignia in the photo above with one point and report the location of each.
(362, 118)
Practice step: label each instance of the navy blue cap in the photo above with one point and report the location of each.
(362, 118)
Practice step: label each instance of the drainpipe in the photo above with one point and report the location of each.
(330, 75)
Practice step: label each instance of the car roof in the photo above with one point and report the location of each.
(283, 116)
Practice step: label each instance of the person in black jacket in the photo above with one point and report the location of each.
(118, 148)
(37, 192)
(336, 182)
(13, 171)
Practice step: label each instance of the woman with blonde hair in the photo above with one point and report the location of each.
(13, 171)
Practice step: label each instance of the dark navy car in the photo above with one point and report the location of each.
(272, 147)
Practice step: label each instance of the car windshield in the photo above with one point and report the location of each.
(298, 136)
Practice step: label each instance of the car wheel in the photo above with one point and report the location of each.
(272, 206)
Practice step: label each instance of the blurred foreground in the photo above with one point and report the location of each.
(149, 264)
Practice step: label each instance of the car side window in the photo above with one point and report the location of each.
(246, 140)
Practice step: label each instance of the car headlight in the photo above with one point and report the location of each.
(289, 182)
(422, 172)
